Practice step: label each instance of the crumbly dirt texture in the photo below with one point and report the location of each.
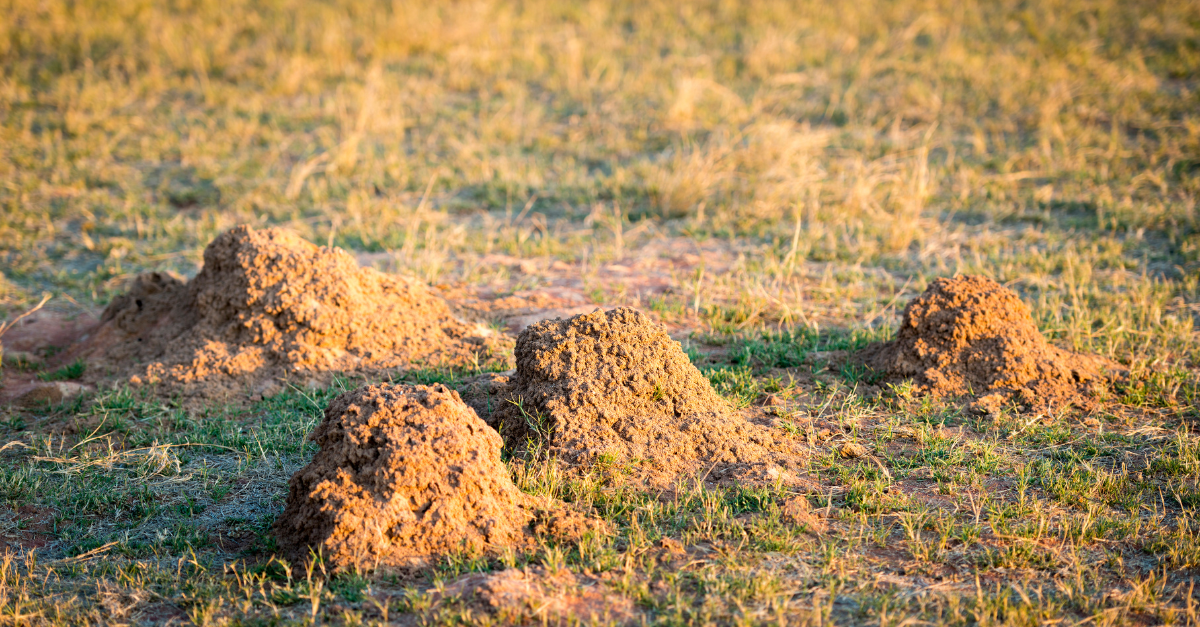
(614, 387)
(404, 472)
(970, 336)
(268, 305)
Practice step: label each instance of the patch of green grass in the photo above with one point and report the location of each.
(739, 385)
(1169, 388)
(784, 349)
(1181, 457)
(858, 373)
(350, 586)
(1018, 554)
(73, 370)
(1177, 546)
(791, 348)
(938, 452)
(1081, 484)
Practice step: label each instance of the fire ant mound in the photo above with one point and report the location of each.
(972, 336)
(404, 472)
(614, 387)
(268, 305)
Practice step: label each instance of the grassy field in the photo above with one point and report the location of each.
(824, 161)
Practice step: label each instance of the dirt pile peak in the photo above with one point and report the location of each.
(404, 472)
(268, 304)
(970, 335)
(614, 386)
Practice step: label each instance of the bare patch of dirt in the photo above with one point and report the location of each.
(45, 330)
(971, 336)
(36, 344)
(36, 394)
(269, 306)
(27, 527)
(612, 386)
(519, 310)
(404, 472)
(538, 596)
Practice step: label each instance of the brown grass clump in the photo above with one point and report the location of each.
(404, 472)
(266, 305)
(614, 387)
(972, 336)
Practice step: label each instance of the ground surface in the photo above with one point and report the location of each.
(773, 181)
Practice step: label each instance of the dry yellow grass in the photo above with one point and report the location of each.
(1052, 145)
(829, 158)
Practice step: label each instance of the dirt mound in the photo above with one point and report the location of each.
(266, 305)
(403, 472)
(614, 387)
(972, 336)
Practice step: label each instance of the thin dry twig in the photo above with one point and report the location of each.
(92, 553)
(5, 326)
(75, 465)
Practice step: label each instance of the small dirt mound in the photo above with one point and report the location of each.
(614, 387)
(972, 336)
(404, 472)
(268, 304)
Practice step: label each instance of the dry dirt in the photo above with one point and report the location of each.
(404, 472)
(613, 387)
(972, 337)
(28, 342)
(539, 596)
(268, 306)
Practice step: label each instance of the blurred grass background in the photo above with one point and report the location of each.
(1052, 145)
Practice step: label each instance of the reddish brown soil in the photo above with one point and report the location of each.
(970, 336)
(267, 306)
(27, 527)
(404, 472)
(614, 387)
(45, 331)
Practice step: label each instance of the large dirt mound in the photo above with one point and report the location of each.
(268, 304)
(613, 386)
(972, 336)
(404, 472)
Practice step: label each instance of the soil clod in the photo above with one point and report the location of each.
(970, 336)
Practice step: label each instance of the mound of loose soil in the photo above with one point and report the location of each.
(972, 336)
(614, 387)
(404, 472)
(267, 305)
